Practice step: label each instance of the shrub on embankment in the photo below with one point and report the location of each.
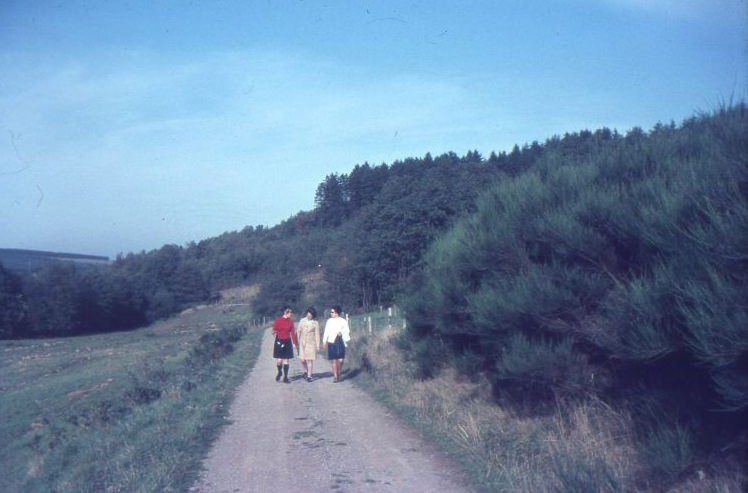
(579, 445)
(617, 274)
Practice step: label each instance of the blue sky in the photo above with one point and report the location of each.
(125, 126)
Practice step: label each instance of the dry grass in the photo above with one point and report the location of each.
(313, 283)
(239, 295)
(582, 446)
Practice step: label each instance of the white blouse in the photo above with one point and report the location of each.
(335, 326)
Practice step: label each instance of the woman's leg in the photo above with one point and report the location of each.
(302, 347)
(285, 371)
(278, 363)
(309, 367)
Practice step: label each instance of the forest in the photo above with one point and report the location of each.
(594, 263)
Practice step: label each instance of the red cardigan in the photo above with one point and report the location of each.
(283, 329)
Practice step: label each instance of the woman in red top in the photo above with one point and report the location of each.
(285, 343)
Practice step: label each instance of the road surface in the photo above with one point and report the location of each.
(319, 436)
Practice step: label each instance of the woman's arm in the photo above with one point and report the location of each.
(324, 336)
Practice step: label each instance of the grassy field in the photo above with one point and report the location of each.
(578, 446)
(129, 411)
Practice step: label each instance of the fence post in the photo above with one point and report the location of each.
(368, 321)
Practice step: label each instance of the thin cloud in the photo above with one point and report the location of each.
(703, 10)
(229, 131)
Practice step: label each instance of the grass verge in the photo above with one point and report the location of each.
(132, 411)
(580, 446)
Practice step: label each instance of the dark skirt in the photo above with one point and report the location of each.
(283, 349)
(336, 350)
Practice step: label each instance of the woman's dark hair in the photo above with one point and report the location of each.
(286, 307)
(312, 311)
(337, 309)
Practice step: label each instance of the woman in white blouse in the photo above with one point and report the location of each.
(335, 338)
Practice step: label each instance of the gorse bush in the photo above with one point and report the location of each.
(605, 272)
(668, 449)
(214, 346)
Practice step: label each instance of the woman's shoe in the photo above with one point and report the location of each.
(308, 379)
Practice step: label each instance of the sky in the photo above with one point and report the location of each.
(128, 125)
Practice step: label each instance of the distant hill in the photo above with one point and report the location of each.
(32, 260)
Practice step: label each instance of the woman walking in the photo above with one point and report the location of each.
(308, 337)
(336, 336)
(285, 343)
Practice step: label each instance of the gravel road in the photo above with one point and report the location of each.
(319, 436)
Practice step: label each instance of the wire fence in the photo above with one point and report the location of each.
(376, 321)
(384, 318)
(260, 322)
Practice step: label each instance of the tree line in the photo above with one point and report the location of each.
(364, 238)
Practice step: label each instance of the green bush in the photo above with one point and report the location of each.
(667, 449)
(279, 291)
(535, 366)
(213, 346)
(619, 271)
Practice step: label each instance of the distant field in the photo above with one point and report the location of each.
(120, 411)
(31, 260)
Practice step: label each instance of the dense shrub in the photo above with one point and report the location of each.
(276, 293)
(214, 346)
(618, 271)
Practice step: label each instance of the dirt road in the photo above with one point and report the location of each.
(319, 436)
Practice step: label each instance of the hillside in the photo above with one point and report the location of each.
(620, 275)
(595, 267)
(362, 243)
